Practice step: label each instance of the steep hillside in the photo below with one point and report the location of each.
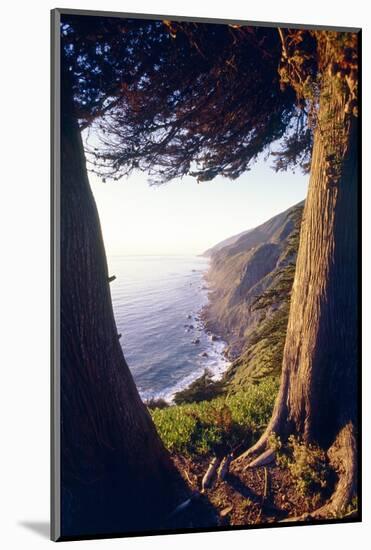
(250, 280)
(226, 242)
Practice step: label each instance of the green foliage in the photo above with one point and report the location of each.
(153, 88)
(264, 350)
(307, 463)
(264, 353)
(156, 403)
(295, 151)
(280, 289)
(202, 389)
(219, 425)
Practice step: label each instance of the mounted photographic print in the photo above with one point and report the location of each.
(205, 286)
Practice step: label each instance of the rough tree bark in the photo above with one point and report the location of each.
(116, 474)
(318, 392)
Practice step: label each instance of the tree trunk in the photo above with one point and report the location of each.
(318, 393)
(116, 474)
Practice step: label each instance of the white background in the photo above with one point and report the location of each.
(24, 247)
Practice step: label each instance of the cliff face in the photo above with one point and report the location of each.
(250, 280)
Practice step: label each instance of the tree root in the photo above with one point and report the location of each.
(279, 413)
(263, 459)
(343, 459)
(186, 475)
(266, 484)
(208, 478)
(260, 448)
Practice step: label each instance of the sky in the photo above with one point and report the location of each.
(184, 217)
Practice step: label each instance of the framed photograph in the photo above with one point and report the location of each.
(205, 274)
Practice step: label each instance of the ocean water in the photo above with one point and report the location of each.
(154, 299)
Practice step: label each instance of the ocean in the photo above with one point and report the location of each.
(156, 302)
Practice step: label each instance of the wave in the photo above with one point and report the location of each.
(157, 303)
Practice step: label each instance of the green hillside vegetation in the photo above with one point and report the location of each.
(259, 315)
(219, 425)
(202, 389)
(263, 355)
(243, 271)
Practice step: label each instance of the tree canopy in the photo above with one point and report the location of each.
(176, 98)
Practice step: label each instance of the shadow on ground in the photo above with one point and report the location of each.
(41, 528)
(199, 514)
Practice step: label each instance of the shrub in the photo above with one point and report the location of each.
(202, 389)
(219, 425)
(154, 403)
(307, 463)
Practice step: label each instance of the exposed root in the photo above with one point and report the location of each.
(224, 467)
(263, 459)
(186, 475)
(343, 458)
(278, 416)
(266, 484)
(208, 478)
(260, 447)
(184, 505)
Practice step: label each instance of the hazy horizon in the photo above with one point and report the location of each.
(184, 217)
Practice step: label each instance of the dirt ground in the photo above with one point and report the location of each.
(246, 497)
